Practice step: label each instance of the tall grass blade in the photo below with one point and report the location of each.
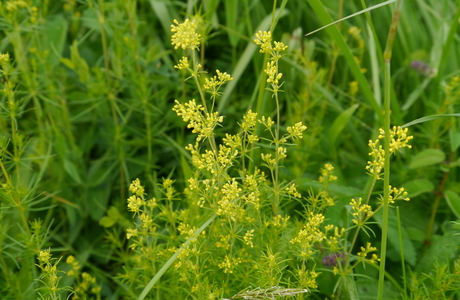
(335, 34)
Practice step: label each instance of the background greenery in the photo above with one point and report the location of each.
(87, 106)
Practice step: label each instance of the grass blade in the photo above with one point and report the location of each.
(171, 260)
(354, 67)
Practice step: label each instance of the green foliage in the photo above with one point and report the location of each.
(244, 202)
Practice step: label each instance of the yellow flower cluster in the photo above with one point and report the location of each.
(169, 190)
(291, 189)
(202, 123)
(183, 63)
(228, 205)
(136, 188)
(309, 235)
(361, 212)
(4, 58)
(188, 231)
(326, 174)
(279, 222)
(15, 5)
(185, 35)
(365, 251)
(334, 241)
(248, 238)
(229, 264)
(249, 121)
(307, 278)
(295, 132)
(397, 194)
(270, 162)
(264, 40)
(398, 139)
(44, 256)
(214, 84)
(74, 264)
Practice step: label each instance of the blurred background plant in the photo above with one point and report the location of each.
(88, 88)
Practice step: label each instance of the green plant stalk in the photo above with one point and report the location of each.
(435, 208)
(277, 145)
(386, 126)
(401, 248)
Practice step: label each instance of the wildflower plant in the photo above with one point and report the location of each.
(230, 221)
(258, 209)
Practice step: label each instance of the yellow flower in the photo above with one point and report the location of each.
(183, 63)
(264, 39)
(185, 35)
(296, 131)
(44, 256)
(4, 58)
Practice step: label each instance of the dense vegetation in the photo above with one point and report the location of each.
(278, 182)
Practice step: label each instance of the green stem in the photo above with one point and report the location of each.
(277, 156)
(435, 209)
(386, 111)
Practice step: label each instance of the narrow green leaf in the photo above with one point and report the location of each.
(417, 187)
(453, 199)
(426, 158)
(340, 122)
(429, 118)
(454, 137)
(352, 15)
(231, 16)
(335, 34)
(161, 11)
(70, 168)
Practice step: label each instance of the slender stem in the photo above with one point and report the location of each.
(386, 110)
(277, 156)
(435, 208)
(402, 251)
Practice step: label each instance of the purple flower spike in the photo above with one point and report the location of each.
(423, 68)
(331, 259)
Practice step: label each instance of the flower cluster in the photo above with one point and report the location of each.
(309, 235)
(229, 264)
(203, 123)
(398, 139)
(365, 251)
(396, 194)
(214, 83)
(49, 273)
(185, 35)
(4, 58)
(361, 212)
(264, 40)
(295, 132)
(229, 204)
(183, 63)
(326, 174)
